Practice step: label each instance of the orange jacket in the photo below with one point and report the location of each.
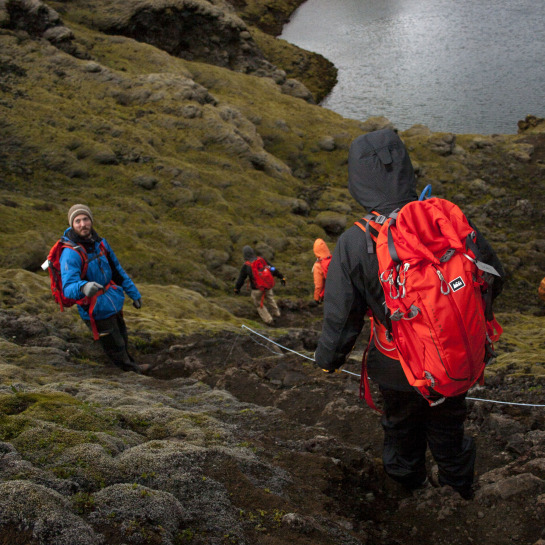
(541, 289)
(321, 251)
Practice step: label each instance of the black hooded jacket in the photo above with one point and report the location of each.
(380, 178)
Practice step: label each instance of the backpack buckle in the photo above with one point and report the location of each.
(380, 219)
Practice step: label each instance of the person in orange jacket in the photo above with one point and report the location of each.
(320, 267)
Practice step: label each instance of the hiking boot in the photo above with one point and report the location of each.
(466, 493)
(139, 368)
(143, 368)
(434, 477)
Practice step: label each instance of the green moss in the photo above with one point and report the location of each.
(12, 426)
(59, 408)
(520, 349)
(43, 447)
(270, 16)
(83, 503)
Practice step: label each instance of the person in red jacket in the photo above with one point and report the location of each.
(320, 267)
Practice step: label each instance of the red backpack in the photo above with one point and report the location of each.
(324, 264)
(52, 264)
(434, 287)
(263, 278)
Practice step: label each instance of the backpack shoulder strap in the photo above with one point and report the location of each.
(371, 225)
(81, 252)
(371, 231)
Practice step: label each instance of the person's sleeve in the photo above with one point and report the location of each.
(71, 265)
(275, 271)
(344, 308)
(126, 282)
(241, 277)
(319, 280)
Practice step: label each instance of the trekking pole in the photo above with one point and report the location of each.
(290, 350)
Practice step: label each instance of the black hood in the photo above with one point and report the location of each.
(380, 172)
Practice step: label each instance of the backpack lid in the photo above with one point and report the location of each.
(380, 173)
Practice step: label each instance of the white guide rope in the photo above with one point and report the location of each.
(290, 350)
(359, 376)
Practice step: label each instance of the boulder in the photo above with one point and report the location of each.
(518, 485)
(296, 89)
(442, 144)
(331, 222)
(36, 18)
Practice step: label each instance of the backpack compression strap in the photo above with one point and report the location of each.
(365, 389)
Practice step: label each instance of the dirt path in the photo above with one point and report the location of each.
(328, 418)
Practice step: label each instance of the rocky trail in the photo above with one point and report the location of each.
(232, 439)
(330, 441)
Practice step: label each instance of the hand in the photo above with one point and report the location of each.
(137, 304)
(91, 288)
(237, 291)
(283, 281)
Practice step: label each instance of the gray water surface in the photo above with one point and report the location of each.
(465, 66)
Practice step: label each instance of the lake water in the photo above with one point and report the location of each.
(464, 66)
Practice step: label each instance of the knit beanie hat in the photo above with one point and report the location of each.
(78, 209)
(248, 253)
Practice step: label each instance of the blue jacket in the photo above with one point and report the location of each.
(100, 271)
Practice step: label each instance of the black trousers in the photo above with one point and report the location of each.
(411, 425)
(115, 340)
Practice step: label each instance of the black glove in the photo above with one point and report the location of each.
(237, 291)
(137, 303)
(91, 288)
(283, 281)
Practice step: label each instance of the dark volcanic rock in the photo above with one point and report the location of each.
(195, 31)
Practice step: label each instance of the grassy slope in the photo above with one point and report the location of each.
(208, 195)
(230, 155)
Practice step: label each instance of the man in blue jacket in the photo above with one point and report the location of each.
(104, 277)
